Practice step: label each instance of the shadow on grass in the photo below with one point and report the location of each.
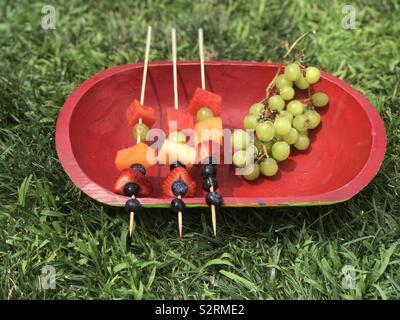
(251, 223)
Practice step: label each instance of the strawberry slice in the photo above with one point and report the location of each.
(178, 173)
(132, 175)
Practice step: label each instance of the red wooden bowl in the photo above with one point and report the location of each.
(345, 154)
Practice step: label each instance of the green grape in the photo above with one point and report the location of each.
(292, 72)
(287, 115)
(265, 131)
(204, 114)
(292, 136)
(268, 167)
(282, 126)
(178, 137)
(302, 143)
(254, 173)
(320, 99)
(250, 121)
(295, 107)
(240, 139)
(280, 150)
(302, 83)
(276, 103)
(240, 158)
(256, 108)
(313, 117)
(312, 75)
(281, 82)
(287, 93)
(301, 122)
(140, 130)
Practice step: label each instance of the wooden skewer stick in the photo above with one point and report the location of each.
(173, 37)
(213, 212)
(131, 221)
(203, 86)
(146, 62)
(144, 78)
(180, 221)
(175, 73)
(201, 52)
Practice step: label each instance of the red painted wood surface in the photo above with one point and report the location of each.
(345, 154)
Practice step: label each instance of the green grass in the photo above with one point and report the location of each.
(282, 253)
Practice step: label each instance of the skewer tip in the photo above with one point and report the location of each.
(214, 220)
(131, 223)
(213, 212)
(180, 224)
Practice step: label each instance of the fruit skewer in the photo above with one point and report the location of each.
(175, 151)
(204, 170)
(179, 181)
(133, 161)
(206, 107)
(175, 76)
(144, 78)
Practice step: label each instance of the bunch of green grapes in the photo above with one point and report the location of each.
(279, 122)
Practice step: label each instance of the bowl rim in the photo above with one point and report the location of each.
(97, 192)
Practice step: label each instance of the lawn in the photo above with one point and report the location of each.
(285, 253)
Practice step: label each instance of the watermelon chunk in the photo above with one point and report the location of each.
(136, 111)
(176, 120)
(204, 99)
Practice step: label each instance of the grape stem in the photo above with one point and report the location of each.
(265, 151)
(295, 43)
(309, 91)
(309, 103)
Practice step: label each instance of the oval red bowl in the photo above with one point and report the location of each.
(345, 154)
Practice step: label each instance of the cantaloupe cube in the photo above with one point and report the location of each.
(209, 129)
(140, 153)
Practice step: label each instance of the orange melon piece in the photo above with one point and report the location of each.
(209, 129)
(172, 151)
(140, 153)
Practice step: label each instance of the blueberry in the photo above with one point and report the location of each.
(208, 171)
(176, 164)
(138, 166)
(179, 188)
(131, 189)
(214, 198)
(177, 205)
(133, 205)
(207, 184)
